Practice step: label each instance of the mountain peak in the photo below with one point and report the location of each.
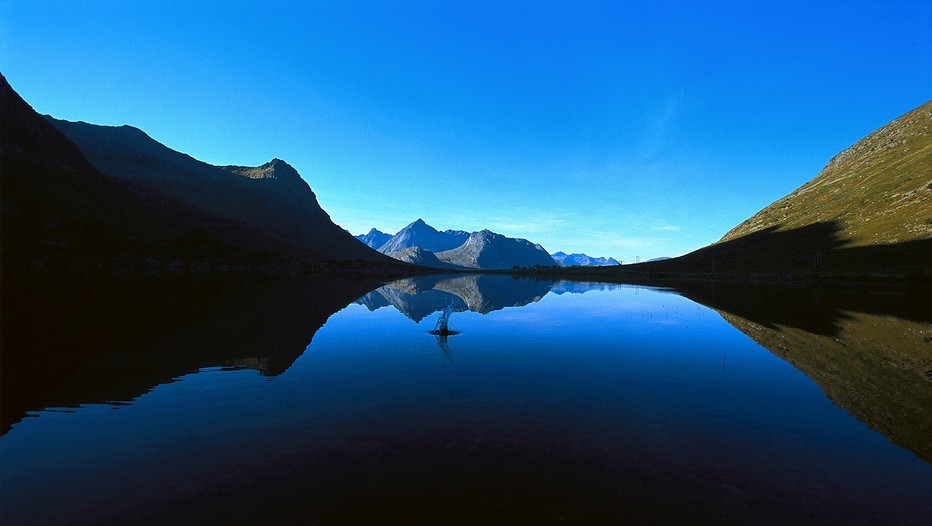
(488, 250)
(275, 169)
(374, 239)
(420, 234)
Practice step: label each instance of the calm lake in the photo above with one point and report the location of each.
(545, 402)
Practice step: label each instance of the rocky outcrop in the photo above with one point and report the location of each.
(422, 258)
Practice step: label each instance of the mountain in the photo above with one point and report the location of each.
(420, 234)
(582, 260)
(374, 239)
(421, 257)
(57, 210)
(878, 191)
(488, 250)
(868, 213)
(269, 207)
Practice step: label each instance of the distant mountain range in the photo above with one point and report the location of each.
(374, 239)
(582, 260)
(459, 249)
(78, 196)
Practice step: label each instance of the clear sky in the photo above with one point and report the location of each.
(613, 128)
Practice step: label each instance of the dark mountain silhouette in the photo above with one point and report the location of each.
(582, 260)
(420, 234)
(59, 212)
(269, 207)
(65, 343)
(488, 250)
(374, 239)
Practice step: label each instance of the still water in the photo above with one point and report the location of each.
(548, 402)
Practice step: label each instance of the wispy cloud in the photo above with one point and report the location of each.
(665, 228)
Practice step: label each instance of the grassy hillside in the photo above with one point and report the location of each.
(877, 191)
(867, 214)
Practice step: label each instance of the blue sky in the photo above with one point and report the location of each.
(614, 128)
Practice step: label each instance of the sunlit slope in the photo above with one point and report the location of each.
(868, 214)
(877, 191)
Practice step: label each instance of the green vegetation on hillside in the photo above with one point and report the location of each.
(877, 191)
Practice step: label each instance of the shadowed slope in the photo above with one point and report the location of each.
(816, 250)
(268, 207)
(59, 211)
(421, 257)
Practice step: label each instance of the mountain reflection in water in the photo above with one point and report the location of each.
(591, 403)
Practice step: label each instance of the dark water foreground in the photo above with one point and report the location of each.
(328, 402)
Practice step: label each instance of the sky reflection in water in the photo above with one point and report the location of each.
(625, 402)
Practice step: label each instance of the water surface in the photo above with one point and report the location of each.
(554, 403)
